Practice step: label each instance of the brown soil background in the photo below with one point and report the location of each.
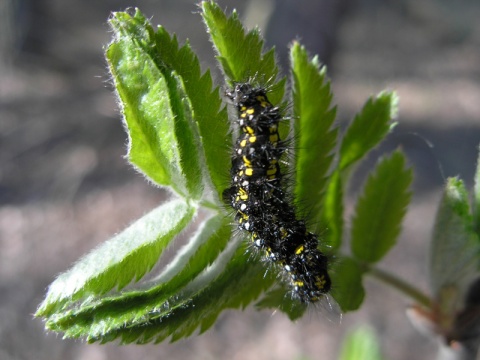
(65, 186)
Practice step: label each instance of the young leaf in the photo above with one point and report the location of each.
(314, 137)
(349, 293)
(380, 210)
(239, 283)
(368, 128)
(146, 96)
(211, 122)
(116, 262)
(135, 308)
(170, 109)
(240, 53)
(455, 246)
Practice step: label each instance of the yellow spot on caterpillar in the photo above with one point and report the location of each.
(263, 101)
(273, 129)
(250, 111)
(242, 194)
(243, 108)
(271, 171)
(247, 162)
(252, 139)
(243, 115)
(249, 130)
(299, 250)
(249, 172)
(243, 143)
(273, 138)
(298, 283)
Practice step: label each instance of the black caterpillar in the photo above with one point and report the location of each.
(257, 195)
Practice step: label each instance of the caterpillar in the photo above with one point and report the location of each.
(260, 201)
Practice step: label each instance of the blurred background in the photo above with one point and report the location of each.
(65, 186)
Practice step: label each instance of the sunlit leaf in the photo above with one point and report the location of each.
(368, 128)
(314, 139)
(380, 209)
(125, 257)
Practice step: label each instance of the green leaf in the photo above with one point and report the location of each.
(348, 290)
(170, 109)
(314, 137)
(240, 53)
(368, 128)
(333, 211)
(212, 123)
(366, 131)
(135, 308)
(239, 283)
(361, 344)
(116, 262)
(476, 197)
(455, 246)
(380, 210)
(146, 99)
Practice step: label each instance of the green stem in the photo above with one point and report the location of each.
(401, 286)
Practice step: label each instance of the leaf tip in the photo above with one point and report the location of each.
(391, 98)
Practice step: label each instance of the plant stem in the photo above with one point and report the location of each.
(401, 286)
